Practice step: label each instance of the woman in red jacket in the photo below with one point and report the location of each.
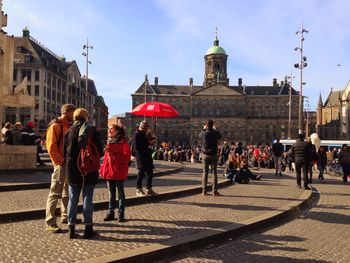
(115, 169)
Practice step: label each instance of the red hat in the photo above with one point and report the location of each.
(30, 124)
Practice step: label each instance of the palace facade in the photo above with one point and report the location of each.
(242, 113)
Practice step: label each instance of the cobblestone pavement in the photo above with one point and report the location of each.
(34, 199)
(43, 176)
(320, 234)
(150, 223)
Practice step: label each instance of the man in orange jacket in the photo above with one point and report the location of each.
(59, 188)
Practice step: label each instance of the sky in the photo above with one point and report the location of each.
(168, 39)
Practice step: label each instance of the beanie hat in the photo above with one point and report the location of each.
(30, 124)
(143, 125)
(67, 108)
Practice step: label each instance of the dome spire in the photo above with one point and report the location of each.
(216, 40)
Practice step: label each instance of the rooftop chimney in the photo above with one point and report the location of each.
(240, 82)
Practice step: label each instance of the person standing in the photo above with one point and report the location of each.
(17, 138)
(344, 160)
(141, 143)
(55, 133)
(7, 133)
(115, 169)
(277, 150)
(225, 150)
(209, 137)
(80, 135)
(300, 152)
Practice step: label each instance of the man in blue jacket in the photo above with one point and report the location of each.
(210, 137)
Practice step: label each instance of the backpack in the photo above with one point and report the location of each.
(89, 158)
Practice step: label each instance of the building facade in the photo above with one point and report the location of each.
(333, 116)
(52, 81)
(241, 113)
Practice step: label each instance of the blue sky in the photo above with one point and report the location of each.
(168, 39)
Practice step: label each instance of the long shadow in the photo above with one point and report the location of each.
(245, 249)
(235, 207)
(329, 217)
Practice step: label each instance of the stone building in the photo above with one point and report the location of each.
(241, 113)
(333, 116)
(51, 80)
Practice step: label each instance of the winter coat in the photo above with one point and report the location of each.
(344, 157)
(321, 158)
(72, 145)
(54, 140)
(300, 151)
(277, 149)
(8, 136)
(28, 136)
(210, 139)
(116, 161)
(143, 153)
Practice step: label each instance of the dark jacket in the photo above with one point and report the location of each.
(28, 136)
(210, 139)
(299, 151)
(277, 149)
(321, 158)
(8, 137)
(143, 153)
(72, 145)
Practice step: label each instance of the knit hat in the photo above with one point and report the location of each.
(67, 108)
(30, 124)
(143, 125)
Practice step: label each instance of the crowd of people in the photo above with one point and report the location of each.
(17, 134)
(75, 148)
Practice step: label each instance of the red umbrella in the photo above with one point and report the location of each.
(155, 109)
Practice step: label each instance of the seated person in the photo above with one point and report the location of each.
(244, 170)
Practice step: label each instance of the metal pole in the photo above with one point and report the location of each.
(87, 73)
(301, 106)
(290, 106)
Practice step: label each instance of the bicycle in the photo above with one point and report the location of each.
(334, 168)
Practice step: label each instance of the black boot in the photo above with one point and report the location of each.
(71, 231)
(89, 232)
(121, 217)
(109, 216)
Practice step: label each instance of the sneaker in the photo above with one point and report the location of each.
(258, 177)
(54, 229)
(150, 192)
(204, 192)
(216, 193)
(140, 192)
(109, 217)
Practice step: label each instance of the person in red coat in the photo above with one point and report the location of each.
(115, 170)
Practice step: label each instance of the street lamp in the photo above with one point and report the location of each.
(291, 77)
(86, 55)
(301, 65)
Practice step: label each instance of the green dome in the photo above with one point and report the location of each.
(215, 50)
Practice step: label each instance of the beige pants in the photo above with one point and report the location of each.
(58, 190)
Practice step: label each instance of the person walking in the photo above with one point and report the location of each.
(344, 160)
(141, 143)
(277, 150)
(321, 162)
(55, 133)
(209, 137)
(115, 169)
(80, 135)
(300, 152)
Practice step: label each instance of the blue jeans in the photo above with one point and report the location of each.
(141, 174)
(112, 185)
(88, 205)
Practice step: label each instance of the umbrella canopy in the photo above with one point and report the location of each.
(155, 109)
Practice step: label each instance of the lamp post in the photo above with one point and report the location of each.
(303, 64)
(290, 104)
(86, 55)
